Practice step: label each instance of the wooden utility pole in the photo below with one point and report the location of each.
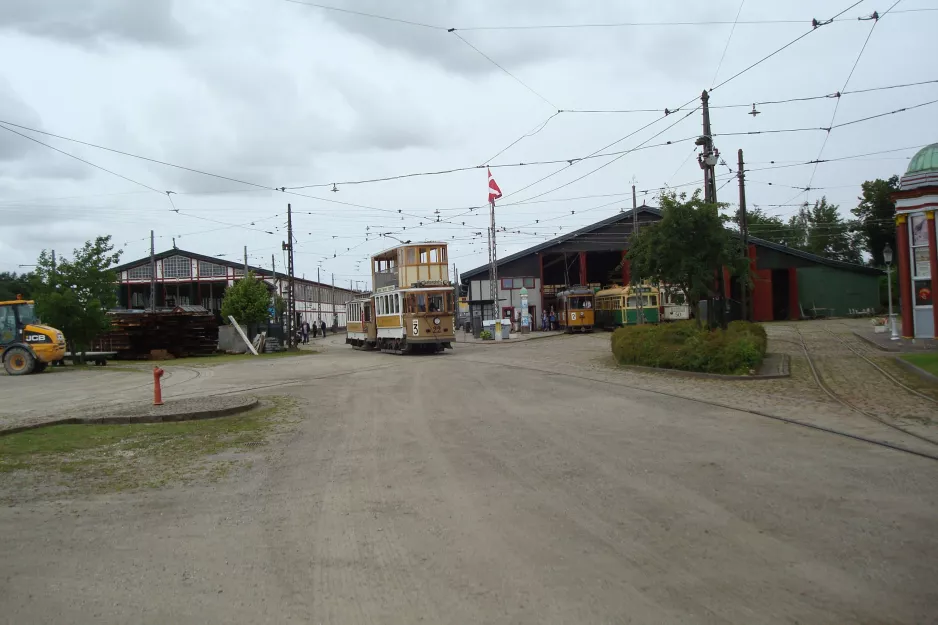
(708, 161)
(640, 297)
(744, 235)
(334, 322)
(245, 261)
(318, 296)
(291, 298)
(152, 274)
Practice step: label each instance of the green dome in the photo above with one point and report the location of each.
(925, 159)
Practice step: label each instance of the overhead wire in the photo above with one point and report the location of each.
(728, 39)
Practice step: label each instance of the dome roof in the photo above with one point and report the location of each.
(925, 159)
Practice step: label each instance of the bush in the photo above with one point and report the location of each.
(686, 346)
(485, 335)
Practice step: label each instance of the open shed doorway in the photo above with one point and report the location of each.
(780, 295)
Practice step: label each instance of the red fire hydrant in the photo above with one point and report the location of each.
(157, 391)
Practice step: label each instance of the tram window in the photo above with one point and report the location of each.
(409, 305)
(423, 256)
(434, 255)
(436, 303)
(633, 301)
(422, 303)
(654, 300)
(449, 303)
(411, 256)
(397, 303)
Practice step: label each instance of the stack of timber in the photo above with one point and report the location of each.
(181, 331)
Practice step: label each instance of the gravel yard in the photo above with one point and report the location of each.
(527, 483)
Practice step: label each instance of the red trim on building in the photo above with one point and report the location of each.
(933, 261)
(905, 277)
(794, 310)
(626, 269)
(583, 268)
(762, 295)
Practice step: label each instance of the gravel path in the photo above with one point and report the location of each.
(483, 486)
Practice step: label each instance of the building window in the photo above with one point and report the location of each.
(140, 272)
(517, 283)
(177, 267)
(528, 283)
(211, 270)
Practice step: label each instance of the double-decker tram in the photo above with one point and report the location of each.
(412, 308)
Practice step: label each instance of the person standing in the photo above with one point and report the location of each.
(304, 332)
(323, 328)
(315, 329)
(553, 319)
(543, 320)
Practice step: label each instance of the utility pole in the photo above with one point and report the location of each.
(291, 299)
(493, 271)
(710, 157)
(744, 235)
(318, 296)
(639, 295)
(335, 317)
(708, 161)
(245, 261)
(152, 274)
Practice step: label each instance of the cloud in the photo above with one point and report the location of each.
(93, 22)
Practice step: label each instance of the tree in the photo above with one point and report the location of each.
(686, 248)
(13, 284)
(772, 228)
(75, 295)
(247, 300)
(876, 214)
(821, 230)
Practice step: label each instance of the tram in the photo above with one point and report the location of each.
(575, 312)
(412, 308)
(619, 306)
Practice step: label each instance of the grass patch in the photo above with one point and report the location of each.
(109, 458)
(926, 361)
(686, 346)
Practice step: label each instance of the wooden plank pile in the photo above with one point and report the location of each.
(135, 334)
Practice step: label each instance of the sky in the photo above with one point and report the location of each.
(270, 94)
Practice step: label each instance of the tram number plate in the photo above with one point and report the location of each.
(573, 316)
(416, 329)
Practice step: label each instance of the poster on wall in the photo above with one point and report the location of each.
(923, 293)
(922, 266)
(919, 231)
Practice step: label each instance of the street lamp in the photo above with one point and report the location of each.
(887, 256)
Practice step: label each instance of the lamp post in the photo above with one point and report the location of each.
(887, 256)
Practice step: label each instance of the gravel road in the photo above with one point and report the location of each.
(482, 486)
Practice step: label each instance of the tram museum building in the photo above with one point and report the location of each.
(186, 278)
(788, 283)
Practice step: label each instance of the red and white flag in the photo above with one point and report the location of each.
(494, 191)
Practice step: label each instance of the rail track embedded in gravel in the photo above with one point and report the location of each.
(844, 402)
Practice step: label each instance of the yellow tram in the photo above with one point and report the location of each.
(412, 308)
(575, 312)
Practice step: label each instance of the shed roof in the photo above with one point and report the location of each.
(627, 216)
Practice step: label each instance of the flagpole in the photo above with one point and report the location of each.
(494, 275)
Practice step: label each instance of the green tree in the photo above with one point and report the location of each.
(685, 248)
(773, 228)
(823, 231)
(876, 214)
(247, 300)
(75, 295)
(13, 284)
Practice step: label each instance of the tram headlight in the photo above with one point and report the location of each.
(436, 321)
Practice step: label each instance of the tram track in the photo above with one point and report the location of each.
(812, 365)
(758, 413)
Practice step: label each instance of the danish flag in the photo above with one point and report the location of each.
(494, 191)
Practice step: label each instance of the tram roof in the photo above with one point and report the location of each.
(410, 244)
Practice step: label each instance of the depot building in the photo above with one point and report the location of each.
(789, 284)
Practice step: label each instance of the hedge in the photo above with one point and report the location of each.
(685, 345)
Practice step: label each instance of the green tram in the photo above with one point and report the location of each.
(619, 306)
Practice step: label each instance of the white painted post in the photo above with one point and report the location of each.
(241, 333)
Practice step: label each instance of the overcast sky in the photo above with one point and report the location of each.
(282, 94)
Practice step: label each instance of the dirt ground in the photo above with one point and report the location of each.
(526, 483)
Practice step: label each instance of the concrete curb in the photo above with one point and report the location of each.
(510, 341)
(251, 403)
(908, 366)
(875, 344)
(786, 367)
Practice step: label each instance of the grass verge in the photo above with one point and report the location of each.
(926, 361)
(75, 459)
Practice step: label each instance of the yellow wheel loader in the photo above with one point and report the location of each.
(26, 346)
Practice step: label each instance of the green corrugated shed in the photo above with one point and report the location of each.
(837, 289)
